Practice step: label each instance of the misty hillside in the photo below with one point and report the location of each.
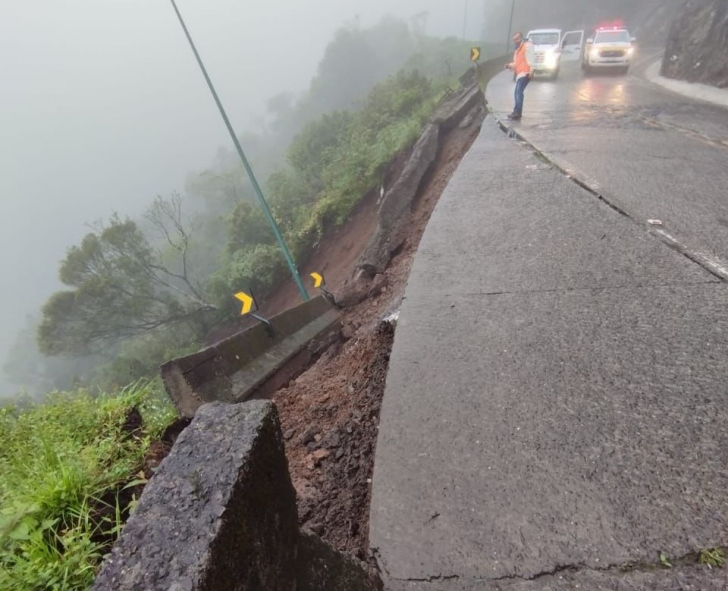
(647, 19)
(697, 48)
(137, 291)
(103, 106)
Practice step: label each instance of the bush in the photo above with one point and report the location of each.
(346, 157)
(248, 226)
(312, 149)
(255, 269)
(61, 463)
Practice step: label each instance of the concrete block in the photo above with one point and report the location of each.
(219, 514)
(232, 370)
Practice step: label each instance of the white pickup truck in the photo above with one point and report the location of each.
(610, 48)
(551, 47)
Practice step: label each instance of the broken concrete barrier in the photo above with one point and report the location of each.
(394, 212)
(397, 203)
(220, 514)
(235, 369)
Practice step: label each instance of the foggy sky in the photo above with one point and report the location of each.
(102, 107)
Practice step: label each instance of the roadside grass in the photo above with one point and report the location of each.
(713, 557)
(63, 465)
(332, 164)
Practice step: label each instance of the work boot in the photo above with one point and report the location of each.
(514, 116)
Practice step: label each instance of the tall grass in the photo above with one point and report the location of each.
(62, 464)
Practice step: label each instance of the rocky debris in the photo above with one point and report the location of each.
(697, 46)
(457, 106)
(338, 398)
(322, 343)
(327, 399)
(220, 513)
(476, 113)
(398, 202)
(309, 436)
(334, 487)
(360, 287)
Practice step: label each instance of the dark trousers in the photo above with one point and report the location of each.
(521, 84)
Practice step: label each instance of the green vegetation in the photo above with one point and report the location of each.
(138, 292)
(332, 164)
(713, 558)
(64, 464)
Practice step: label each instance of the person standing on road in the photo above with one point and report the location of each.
(522, 66)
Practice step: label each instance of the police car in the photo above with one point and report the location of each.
(610, 48)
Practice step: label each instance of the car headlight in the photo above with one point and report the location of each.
(594, 53)
(551, 59)
(630, 51)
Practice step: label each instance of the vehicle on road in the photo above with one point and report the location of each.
(609, 48)
(552, 47)
(547, 49)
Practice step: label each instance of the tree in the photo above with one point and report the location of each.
(123, 286)
(220, 191)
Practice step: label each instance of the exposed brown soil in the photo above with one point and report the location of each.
(330, 413)
(335, 256)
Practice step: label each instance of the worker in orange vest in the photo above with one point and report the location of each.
(522, 66)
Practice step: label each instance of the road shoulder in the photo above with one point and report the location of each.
(700, 92)
(551, 401)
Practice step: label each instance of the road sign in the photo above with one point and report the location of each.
(248, 301)
(474, 54)
(318, 280)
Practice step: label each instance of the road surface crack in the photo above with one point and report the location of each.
(433, 579)
(592, 289)
(691, 559)
(705, 262)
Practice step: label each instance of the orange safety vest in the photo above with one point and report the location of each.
(520, 63)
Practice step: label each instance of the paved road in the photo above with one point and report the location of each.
(652, 153)
(556, 402)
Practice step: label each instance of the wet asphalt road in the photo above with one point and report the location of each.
(556, 402)
(653, 154)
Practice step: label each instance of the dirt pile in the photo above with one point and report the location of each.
(330, 413)
(330, 441)
(697, 46)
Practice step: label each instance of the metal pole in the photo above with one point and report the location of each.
(246, 164)
(510, 26)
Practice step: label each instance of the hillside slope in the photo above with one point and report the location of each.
(649, 20)
(697, 47)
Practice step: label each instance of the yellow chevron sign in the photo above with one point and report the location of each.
(474, 54)
(248, 302)
(318, 279)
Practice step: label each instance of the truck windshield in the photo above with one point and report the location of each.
(612, 37)
(544, 38)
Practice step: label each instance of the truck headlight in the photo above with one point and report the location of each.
(630, 51)
(594, 54)
(551, 60)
